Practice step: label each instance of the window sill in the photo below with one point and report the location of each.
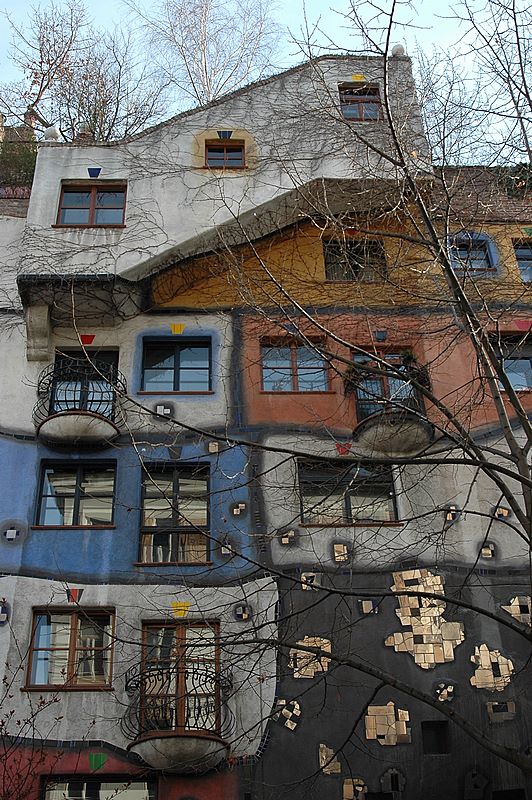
(358, 524)
(85, 226)
(350, 281)
(63, 688)
(164, 394)
(72, 527)
(172, 563)
(317, 391)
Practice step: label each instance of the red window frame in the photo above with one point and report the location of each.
(93, 189)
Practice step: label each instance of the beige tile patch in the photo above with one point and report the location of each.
(520, 609)
(354, 789)
(387, 724)
(493, 670)
(329, 764)
(431, 639)
(305, 665)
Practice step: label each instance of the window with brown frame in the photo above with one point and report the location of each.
(175, 511)
(360, 102)
(83, 787)
(377, 387)
(225, 155)
(293, 366)
(180, 667)
(354, 260)
(71, 649)
(97, 205)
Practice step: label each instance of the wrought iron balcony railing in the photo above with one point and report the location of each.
(79, 385)
(176, 697)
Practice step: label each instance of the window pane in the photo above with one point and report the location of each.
(74, 216)
(523, 254)
(110, 199)
(98, 482)
(519, 371)
(321, 508)
(371, 503)
(59, 482)
(194, 357)
(76, 199)
(158, 512)
(49, 667)
(95, 511)
(108, 216)
(311, 371)
(57, 511)
(66, 395)
(159, 369)
(276, 369)
(194, 380)
(193, 511)
(160, 643)
(192, 548)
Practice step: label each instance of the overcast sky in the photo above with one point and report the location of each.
(429, 19)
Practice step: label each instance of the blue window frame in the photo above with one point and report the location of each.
(473, 254)
(183, 366)
(523, 255)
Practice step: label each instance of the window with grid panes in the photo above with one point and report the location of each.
(71, 648)
(473, 254)
(293, 367)
(76, 495)
(517, 361)
(354, 260)
(79, 787)
(341, 495)
(175, 511)
(177, 367)
(360, 102)
(377, 388)
(85, 381)
(225, 155)
(180, 669)
(523, 255)
(96, 205)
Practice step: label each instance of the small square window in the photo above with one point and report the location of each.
(80, 495)
(177, 367)
(354, 260)
(293, 367)
(523, 255)
(360, 102)
(225, 155)
(99, 205)
(473, 254)
(71, 648)
(435, 736)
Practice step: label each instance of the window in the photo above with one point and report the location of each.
(225, 155)
(77, 495)
(84, 382)
(375, 391)
(183, 367)
(435, 736)
(354, 260)
(96, 205)
(80, 788)
(180, 669)
(175, 509)
(293, 367)
(360, 102)
(332, 495)
(71, 648)
(523, 254)
(473, 254)
(517, 362)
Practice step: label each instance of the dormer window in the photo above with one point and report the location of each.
(360, 102)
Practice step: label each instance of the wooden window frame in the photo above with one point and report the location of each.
(93, 188)
(363, 275)
(293, 344)
(183, 344)
(384, 400)
(175, 529)
(348, 482)
(180, 649)
(227, 145)
(360, 101)
(78, 468)
(75, 615)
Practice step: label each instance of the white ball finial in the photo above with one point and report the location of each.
(51, 134)
(398, 50)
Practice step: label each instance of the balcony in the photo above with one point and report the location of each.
(79, 402)
(389, 429)
(174, 716)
